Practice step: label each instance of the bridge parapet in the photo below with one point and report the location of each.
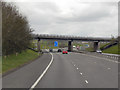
(66, 37)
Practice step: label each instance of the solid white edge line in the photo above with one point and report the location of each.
(38, 80)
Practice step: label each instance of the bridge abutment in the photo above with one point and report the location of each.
(96, 45)
(38, 45)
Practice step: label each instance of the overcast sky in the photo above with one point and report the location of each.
(72, 17)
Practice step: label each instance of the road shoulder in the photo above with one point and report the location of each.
(28, 74)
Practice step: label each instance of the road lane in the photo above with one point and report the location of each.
(27, 75)
(40, 77)
(80, 71)
(61, 74)
(74, 70)
(99, 72)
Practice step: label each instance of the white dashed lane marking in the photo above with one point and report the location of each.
(80, 73)
(86, 81)
(109, 68)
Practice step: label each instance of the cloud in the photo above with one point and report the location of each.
(72, 17)
(93, 12)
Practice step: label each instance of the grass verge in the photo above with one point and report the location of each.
(0, 64)
(89, 49)
(13, 61)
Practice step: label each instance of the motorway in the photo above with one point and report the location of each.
(73, 70)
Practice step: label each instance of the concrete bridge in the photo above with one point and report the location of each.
(70, 39)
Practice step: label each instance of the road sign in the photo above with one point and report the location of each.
(56, 43)
(86, 45)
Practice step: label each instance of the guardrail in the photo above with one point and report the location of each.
(114, 57)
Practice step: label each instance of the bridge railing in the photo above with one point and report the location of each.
(70, 37)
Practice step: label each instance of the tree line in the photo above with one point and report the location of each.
(16, 31)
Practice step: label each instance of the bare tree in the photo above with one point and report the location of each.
(15, 30)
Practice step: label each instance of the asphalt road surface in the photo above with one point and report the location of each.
(73, 70)
(27, 75)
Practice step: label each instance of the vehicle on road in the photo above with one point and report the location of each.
(98, 51)
(59, 50)
(64, 52)
(50, 50)
(74, 46)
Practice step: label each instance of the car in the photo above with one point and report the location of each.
(64, 52)
(59, 50)
(98, 51)
(74, 46)
(50, 50)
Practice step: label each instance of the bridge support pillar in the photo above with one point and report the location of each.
(70, 46)
(38, 45)
(96, 45)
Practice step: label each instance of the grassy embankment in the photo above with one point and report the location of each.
(112, 50)
(90, 49)
(13, 61)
